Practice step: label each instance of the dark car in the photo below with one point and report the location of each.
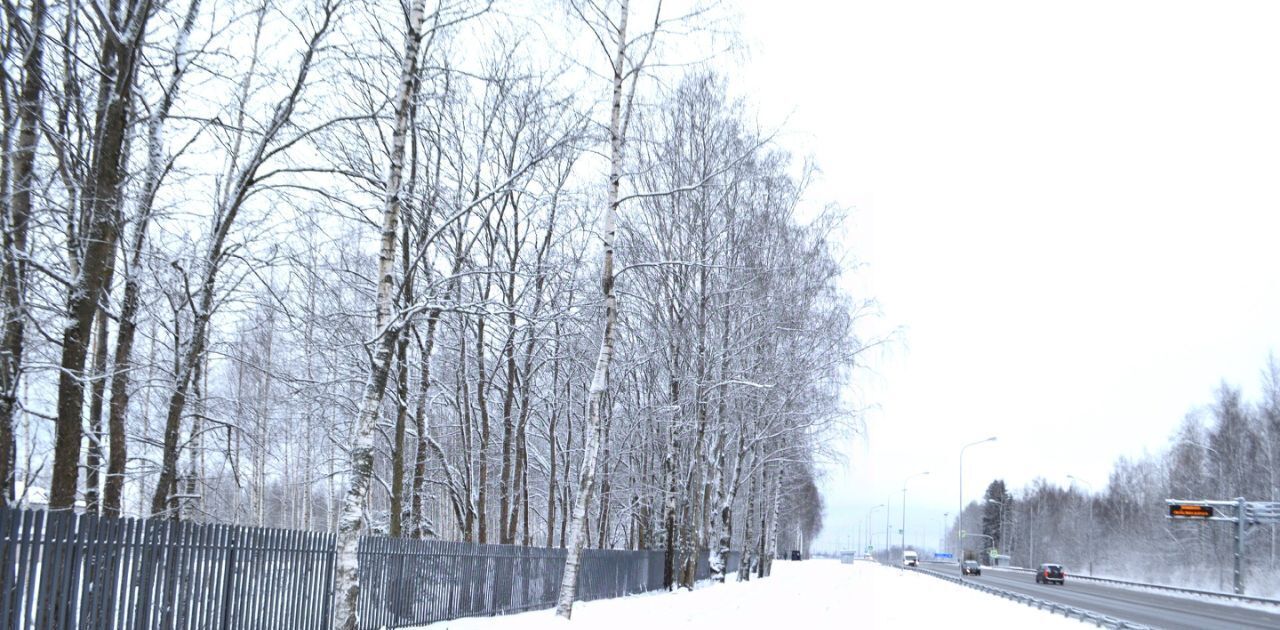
(1051, 574)
(795, 554)
(970, 567)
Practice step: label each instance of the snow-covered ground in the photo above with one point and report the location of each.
(799, 595)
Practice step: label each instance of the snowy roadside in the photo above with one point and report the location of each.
(812, 594)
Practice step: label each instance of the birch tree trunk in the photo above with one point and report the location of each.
(117, 458)
(97, 391)
(507, 476)
(552, 484)
(771, 529)
(600, 376)
(748, 548)
(15, 241)
(396, 526)
(724, 520)
(421, 524)
(482, 421)
(121, 48)
(346, 579)
(522, 440)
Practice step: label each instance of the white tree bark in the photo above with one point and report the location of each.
(386, 331)
(771, 537)
(600, 376)
(723, 519)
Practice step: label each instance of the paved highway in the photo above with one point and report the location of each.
(1145, 607)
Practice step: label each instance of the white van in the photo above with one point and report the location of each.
(910, 558)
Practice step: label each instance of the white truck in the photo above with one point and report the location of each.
(910, 558)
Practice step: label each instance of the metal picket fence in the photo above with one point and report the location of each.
(64, 570)
(409, 582)
(60, 570)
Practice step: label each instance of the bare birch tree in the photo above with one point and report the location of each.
(16, 184)
(618, 119)
(386, 334)
(122, 30)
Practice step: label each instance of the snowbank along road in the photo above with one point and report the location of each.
(1158, 610)
(814, 594)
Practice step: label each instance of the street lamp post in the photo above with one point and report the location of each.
(942, 540)
(1086, 484)
(960, 514)
(869, 513)
(887, 540)
(1001, 530)
(904, 507)
(1032, 512)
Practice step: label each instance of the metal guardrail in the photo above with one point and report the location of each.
(1160, 587)
(1098, 619)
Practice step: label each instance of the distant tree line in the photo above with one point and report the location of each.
(1222, 451)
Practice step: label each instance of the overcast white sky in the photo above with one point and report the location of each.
(1069, 209)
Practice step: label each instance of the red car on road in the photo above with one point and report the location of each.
(1051, 574)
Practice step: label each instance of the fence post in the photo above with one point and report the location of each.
(227, 591)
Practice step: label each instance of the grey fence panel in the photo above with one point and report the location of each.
(60, 570)
(285, 561)
(702, 570)
(657, 569)
(408, 582)
(609, 573)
